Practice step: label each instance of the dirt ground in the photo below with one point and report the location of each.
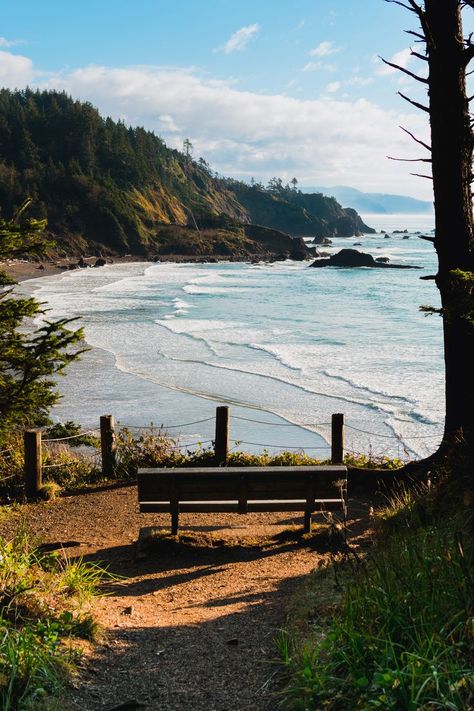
(189, 627)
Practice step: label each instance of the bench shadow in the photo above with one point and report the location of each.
(163, 561)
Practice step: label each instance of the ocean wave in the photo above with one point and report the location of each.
(288, 338)
(214, 290)
(372, 391)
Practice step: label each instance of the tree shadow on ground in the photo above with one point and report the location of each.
(227, 663)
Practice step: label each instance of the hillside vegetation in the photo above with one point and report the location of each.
(108, 188)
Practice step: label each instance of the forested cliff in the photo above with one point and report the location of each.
(110, 188)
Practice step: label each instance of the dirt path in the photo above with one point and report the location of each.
(190, 628)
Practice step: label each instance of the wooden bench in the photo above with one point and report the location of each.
(242, 490)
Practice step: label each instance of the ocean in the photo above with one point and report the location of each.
(283, 344)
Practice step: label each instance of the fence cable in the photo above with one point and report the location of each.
(6, 478)
(164, 427)
(275, 446)
(192, 444)
(387, 436)
(64, 439)
(56, 464)
(282, 424)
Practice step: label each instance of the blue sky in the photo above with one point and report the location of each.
(262, 88)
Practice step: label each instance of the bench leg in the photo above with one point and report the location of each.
(307, 521)
(174, 522)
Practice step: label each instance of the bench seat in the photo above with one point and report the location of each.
(242, 490)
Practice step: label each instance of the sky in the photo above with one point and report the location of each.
(262, 88)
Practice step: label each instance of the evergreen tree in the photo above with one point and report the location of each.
(28, 360)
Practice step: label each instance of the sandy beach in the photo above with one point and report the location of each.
(21, 269)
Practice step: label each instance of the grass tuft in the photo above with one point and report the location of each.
(43, 599)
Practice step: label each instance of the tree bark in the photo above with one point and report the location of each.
(452, 152)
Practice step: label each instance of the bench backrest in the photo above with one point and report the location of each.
(242, 483)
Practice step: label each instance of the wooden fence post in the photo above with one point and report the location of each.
(337, 439)
(33, 463)
(107, 431)
(221, 444)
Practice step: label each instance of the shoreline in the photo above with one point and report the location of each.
(22, 269)
(151, 400)
(302, 437)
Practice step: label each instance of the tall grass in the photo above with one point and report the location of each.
(403, 635)
(44, 604)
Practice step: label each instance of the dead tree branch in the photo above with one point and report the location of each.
(414, 103)
(405, 71)
(468, 54)
(423, 57)
(422, 38)
(411, 160)
(412, 7)
(417, 140)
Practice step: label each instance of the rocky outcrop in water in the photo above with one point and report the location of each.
(354, 258)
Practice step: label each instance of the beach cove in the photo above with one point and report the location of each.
(283, 345)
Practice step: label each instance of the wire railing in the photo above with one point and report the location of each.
(392, 436)
(79, 435)
(7, 478)
(283, 424)
(110, 442)
(166, 427)
(187, 445)
(277, 446)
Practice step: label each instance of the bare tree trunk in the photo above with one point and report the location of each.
(452, 151)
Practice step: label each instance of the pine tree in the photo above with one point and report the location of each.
(28, 359)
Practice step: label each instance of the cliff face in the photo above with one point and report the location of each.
(298, 213)
(108, 188)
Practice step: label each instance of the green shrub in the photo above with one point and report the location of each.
(68, 467)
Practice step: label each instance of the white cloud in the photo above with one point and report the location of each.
(242, 133)
(239, 39)
(166, 124)
(359, 81)
(314, 66)
(16, 71)
(324, 49)
(334, 86)
(9, 43)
